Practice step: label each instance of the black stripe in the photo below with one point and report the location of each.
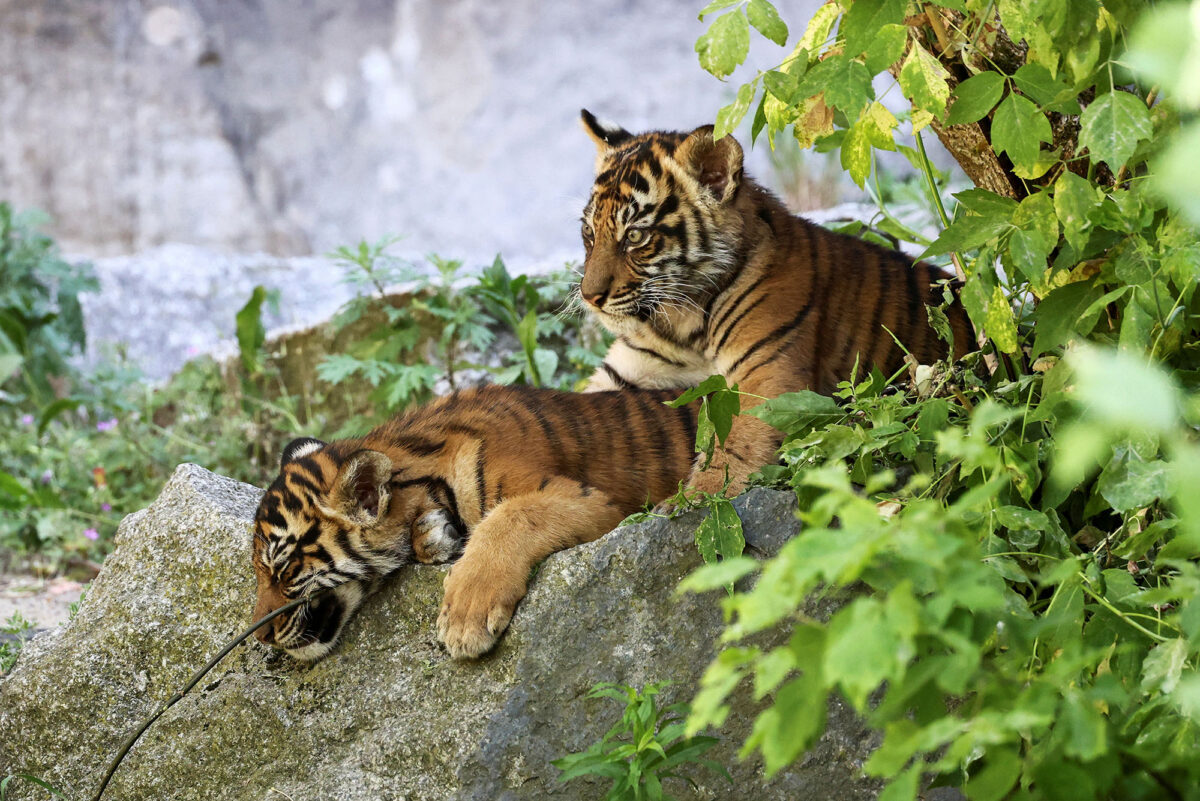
(652, 353)
(771, 337)
(668, 205)
(311, 534)
(701, 231)
(545, 481)
(734, 323)
(918, 320)
(530, 404)
(418, 445)
(639, 183)
(480, 484)
(461, 428)
(616, 377)
(275, 519)
(732, 306)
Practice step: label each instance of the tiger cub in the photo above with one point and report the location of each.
(699, 270)
(504, 475)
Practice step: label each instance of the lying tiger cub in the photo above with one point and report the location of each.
(507, 475)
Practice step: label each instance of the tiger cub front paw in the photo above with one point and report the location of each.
(477, 606)
(435, 540)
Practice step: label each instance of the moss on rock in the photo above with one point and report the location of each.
(388, 715)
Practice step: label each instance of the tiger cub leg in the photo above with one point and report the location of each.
(484, 586)
(435, 540)
(750, 445)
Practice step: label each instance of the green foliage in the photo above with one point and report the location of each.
(437, 337)
(1017, 546)
(16, 625)
(643, 749)
(41, 323)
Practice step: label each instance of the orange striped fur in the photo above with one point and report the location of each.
(698, 270)
(507, 475)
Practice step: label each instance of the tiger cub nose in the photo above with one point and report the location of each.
(266, 634)
(596, 299)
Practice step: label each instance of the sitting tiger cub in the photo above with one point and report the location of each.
(698, 270)
(507, 475)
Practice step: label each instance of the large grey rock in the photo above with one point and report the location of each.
(388, 715)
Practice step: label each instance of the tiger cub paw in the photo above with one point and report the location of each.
(476, 607)
(434, 539)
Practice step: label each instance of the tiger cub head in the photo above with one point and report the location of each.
(660, 227)
(333, 520)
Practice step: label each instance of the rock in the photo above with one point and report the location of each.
(293, 128)
(388, 715)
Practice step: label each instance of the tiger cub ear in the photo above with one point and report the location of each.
(360, 491)
(298, 449)
(606, 135)
(716, 164)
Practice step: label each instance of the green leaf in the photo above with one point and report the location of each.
(999, 323)
(706, 387)
(784, 86)
(885, 48)
(1018, 128)
(924, 81)
(1164, 49)
(250, 331)
(975, 97)
(1017, 517)
(1128, 483)
(765, 19)
(1148, 400)
(846, 84)
(1001, 769)
(1035, 234)
(1060, 315)
(1112, 125)
(9, 364)
(903, 787)
(819, 27)
(719, 574)
(1164, 665)
(720, 534)
(1045, 90)
(717, 5)
(1174, 175)
(725, 44)
(1086, 731)
(1074, 199)
(968, 232)
(729, 117)
(795, 412)
(865, 18)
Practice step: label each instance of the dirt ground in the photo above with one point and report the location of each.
(43, 601)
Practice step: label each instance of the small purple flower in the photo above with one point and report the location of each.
(27, 419)
(91, 533)
(107, 507)
(107, 425)
(47, 476)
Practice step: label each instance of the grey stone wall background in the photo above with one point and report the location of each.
(291, 127)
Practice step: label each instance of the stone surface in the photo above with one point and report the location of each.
(292, 128)
(388, 715)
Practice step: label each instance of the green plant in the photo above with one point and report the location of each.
(442, 330)
(641, 750)
(16, 625)
(41, 323)
(1015, 538)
